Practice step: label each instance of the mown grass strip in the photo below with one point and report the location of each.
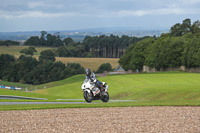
(100, 105)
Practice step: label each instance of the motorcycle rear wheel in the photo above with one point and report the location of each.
(88, 97)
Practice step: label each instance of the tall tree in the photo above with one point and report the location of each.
(51, 39)
(33, 41)
(5, 62)
(43, 38)
(68, 41)
(195, 27)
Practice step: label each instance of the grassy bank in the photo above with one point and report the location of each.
(25, 94)
(15, 84)
(155, 89)
(155, 86)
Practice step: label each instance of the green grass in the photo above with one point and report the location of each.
(25, 94)
(69, 88)
(13, 84)
(101, 105)
(155, 86)
(42, 92)
(74, 79)
(154, 89)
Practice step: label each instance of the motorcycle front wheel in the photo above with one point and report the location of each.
(88, 96)
(105, 97)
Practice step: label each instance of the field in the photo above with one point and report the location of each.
(174, 88)
(92, 63)
(15, 50)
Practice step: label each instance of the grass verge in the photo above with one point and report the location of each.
(101, 105)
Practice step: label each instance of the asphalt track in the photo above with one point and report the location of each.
(31, 98)
(17, 103)
(20, 97)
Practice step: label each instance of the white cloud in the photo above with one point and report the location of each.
(160, 11)
(36, 4)
(44, 5)
(124, 13)
(39, 14)
(36, 14)
(86, 13)
(50, 8)
(191, 2)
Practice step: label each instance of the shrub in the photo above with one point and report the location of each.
(104, 67)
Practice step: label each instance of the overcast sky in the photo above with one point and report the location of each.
(37, 15)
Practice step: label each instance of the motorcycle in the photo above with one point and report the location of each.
(92, 92)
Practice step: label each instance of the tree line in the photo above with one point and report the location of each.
(27, 69)
(92, 46)
(8, 43)
(179, 47)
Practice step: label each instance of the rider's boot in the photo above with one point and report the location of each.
(101, 90)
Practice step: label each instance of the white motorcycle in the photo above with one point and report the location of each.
(92, 92)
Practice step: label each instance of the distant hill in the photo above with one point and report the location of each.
(79, 35)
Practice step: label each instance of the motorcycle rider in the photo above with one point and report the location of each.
(90, 75)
